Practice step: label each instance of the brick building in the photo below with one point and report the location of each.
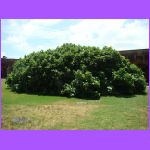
(6, 66)
(140, 57)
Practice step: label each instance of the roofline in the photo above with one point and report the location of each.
(10, 58)
(134, 50)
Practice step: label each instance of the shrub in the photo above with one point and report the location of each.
(68, 90)
(129, 82)
(140, 85)
(86, 85)
(74, 70)
(139, 79)
(123, 82)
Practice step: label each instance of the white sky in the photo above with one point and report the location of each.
(23, 36)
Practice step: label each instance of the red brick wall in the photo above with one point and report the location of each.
(140, 58)
(6, 66)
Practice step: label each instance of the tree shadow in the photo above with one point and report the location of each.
(81, 98)
(130, 95)
(124, 96)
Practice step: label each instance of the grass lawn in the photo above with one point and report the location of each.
(23, 111)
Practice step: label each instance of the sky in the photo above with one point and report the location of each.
(20, 37)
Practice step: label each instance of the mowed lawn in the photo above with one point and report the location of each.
(24, 111)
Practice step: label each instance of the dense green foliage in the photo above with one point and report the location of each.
(74, 70)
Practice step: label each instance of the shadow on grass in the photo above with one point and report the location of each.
(42, 95)
(81, 98)
(130, 95)
(124, 96)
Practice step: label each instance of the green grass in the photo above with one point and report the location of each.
(25, 99)
(55, 112)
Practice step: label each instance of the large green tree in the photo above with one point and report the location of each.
(74, 70)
